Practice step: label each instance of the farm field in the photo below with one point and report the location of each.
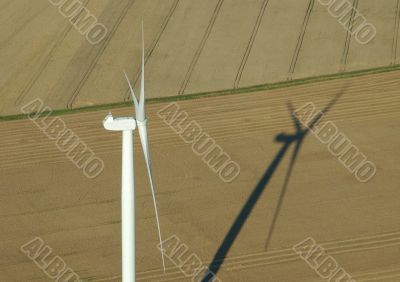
(191, 47)
(44, 194)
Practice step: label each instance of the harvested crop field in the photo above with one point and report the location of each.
(191, 47)
(44, 194)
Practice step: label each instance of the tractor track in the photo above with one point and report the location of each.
(396, 33)
(200, 48)
(250, 44)
(122, 13)
(47, 59)
(349, 31)
(300, 39)
(337, 247)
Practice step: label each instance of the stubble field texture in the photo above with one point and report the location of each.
(193, 47)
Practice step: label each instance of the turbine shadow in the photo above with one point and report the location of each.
(299, 138)
(287, 140)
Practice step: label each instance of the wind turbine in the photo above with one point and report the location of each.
(127, 125)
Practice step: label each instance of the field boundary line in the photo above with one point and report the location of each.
(200, 95)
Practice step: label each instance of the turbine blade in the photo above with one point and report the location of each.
(141, 112)
(330, 105)
(145, 146)
(296, 122)
(134, 99)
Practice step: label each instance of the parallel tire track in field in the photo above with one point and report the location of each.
(396, 33)
(347, 42)
(250, 44)
(153, 45)
(300, 39)
(50, 154)
(200, 48)
(47, 58)
(368, 98)
(379, 275)
(5, 41)
(337, 247)
(111, 31)
(36, 140)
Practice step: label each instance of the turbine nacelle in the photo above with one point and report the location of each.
(119, 123)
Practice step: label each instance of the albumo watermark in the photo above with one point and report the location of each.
(82, 19)
(188, 263)
(351, 19)
(51, 265)
(339, 145)
(65, 139)
(203, 144)
(324, 265)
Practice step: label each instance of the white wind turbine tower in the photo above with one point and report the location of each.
(127, 125)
